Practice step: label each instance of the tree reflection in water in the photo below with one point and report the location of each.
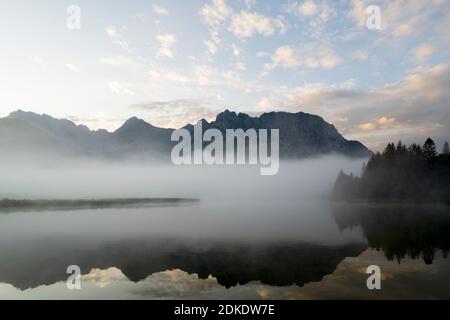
(400, 231)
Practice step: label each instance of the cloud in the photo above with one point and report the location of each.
(38, 60)
(160, 10)
(212, 47)
(311, 56)
(203, 74)
(71, 67)
(315, 13)
(216, 13)
(315, 55)
(117, 87)
(418, 101)
(98, 121)
(179, 112)
(118, 60)
(246, 24)
(399, 18)
(176, 77)
(115, 34)
(166, 42)
(366, 126)
(403, 18)
(385, 121)
(264, 104)
(380, 123)
(285, 57)
(236, 50)
(422, 52)
(358, 13)
(308, 8)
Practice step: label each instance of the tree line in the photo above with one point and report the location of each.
(400, 173)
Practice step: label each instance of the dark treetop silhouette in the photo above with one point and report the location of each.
(400, 173)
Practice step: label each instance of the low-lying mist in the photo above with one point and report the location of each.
(87, 179)
(236, 202)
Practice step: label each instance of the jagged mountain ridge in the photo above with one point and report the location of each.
(301, 135)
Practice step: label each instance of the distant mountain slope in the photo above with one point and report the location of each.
(17, 136)
(301, 135)
(136, 136)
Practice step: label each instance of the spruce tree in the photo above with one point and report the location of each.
(429, 149)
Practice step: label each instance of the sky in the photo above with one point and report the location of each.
(174, 62)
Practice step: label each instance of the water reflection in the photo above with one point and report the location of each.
(122, 255)
(401, 231)
(281, 264)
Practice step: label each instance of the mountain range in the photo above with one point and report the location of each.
(301, 135)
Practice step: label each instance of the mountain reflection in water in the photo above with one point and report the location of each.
(140, 265)
(273, 264)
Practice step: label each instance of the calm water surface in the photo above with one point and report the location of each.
(222, 250)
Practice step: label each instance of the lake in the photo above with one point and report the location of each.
(296, 249)
(249, 236)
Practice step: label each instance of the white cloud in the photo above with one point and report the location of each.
(203, 74)
(117, 87)
(246, 24)
(177, 113)
(166, 42)
(118, 60)
(310, 56)
(38, 60)
(115, 35)
(329, 61)
(307, 8)
(285, 57)
(314, 16)
(160, 10)
(98, 121)
(264, 104)
(71, 67)
(174, 76)
(216, 13)
(212, 47)
(236, 50)
(318, 56)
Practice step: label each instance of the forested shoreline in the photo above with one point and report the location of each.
(400, 174)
